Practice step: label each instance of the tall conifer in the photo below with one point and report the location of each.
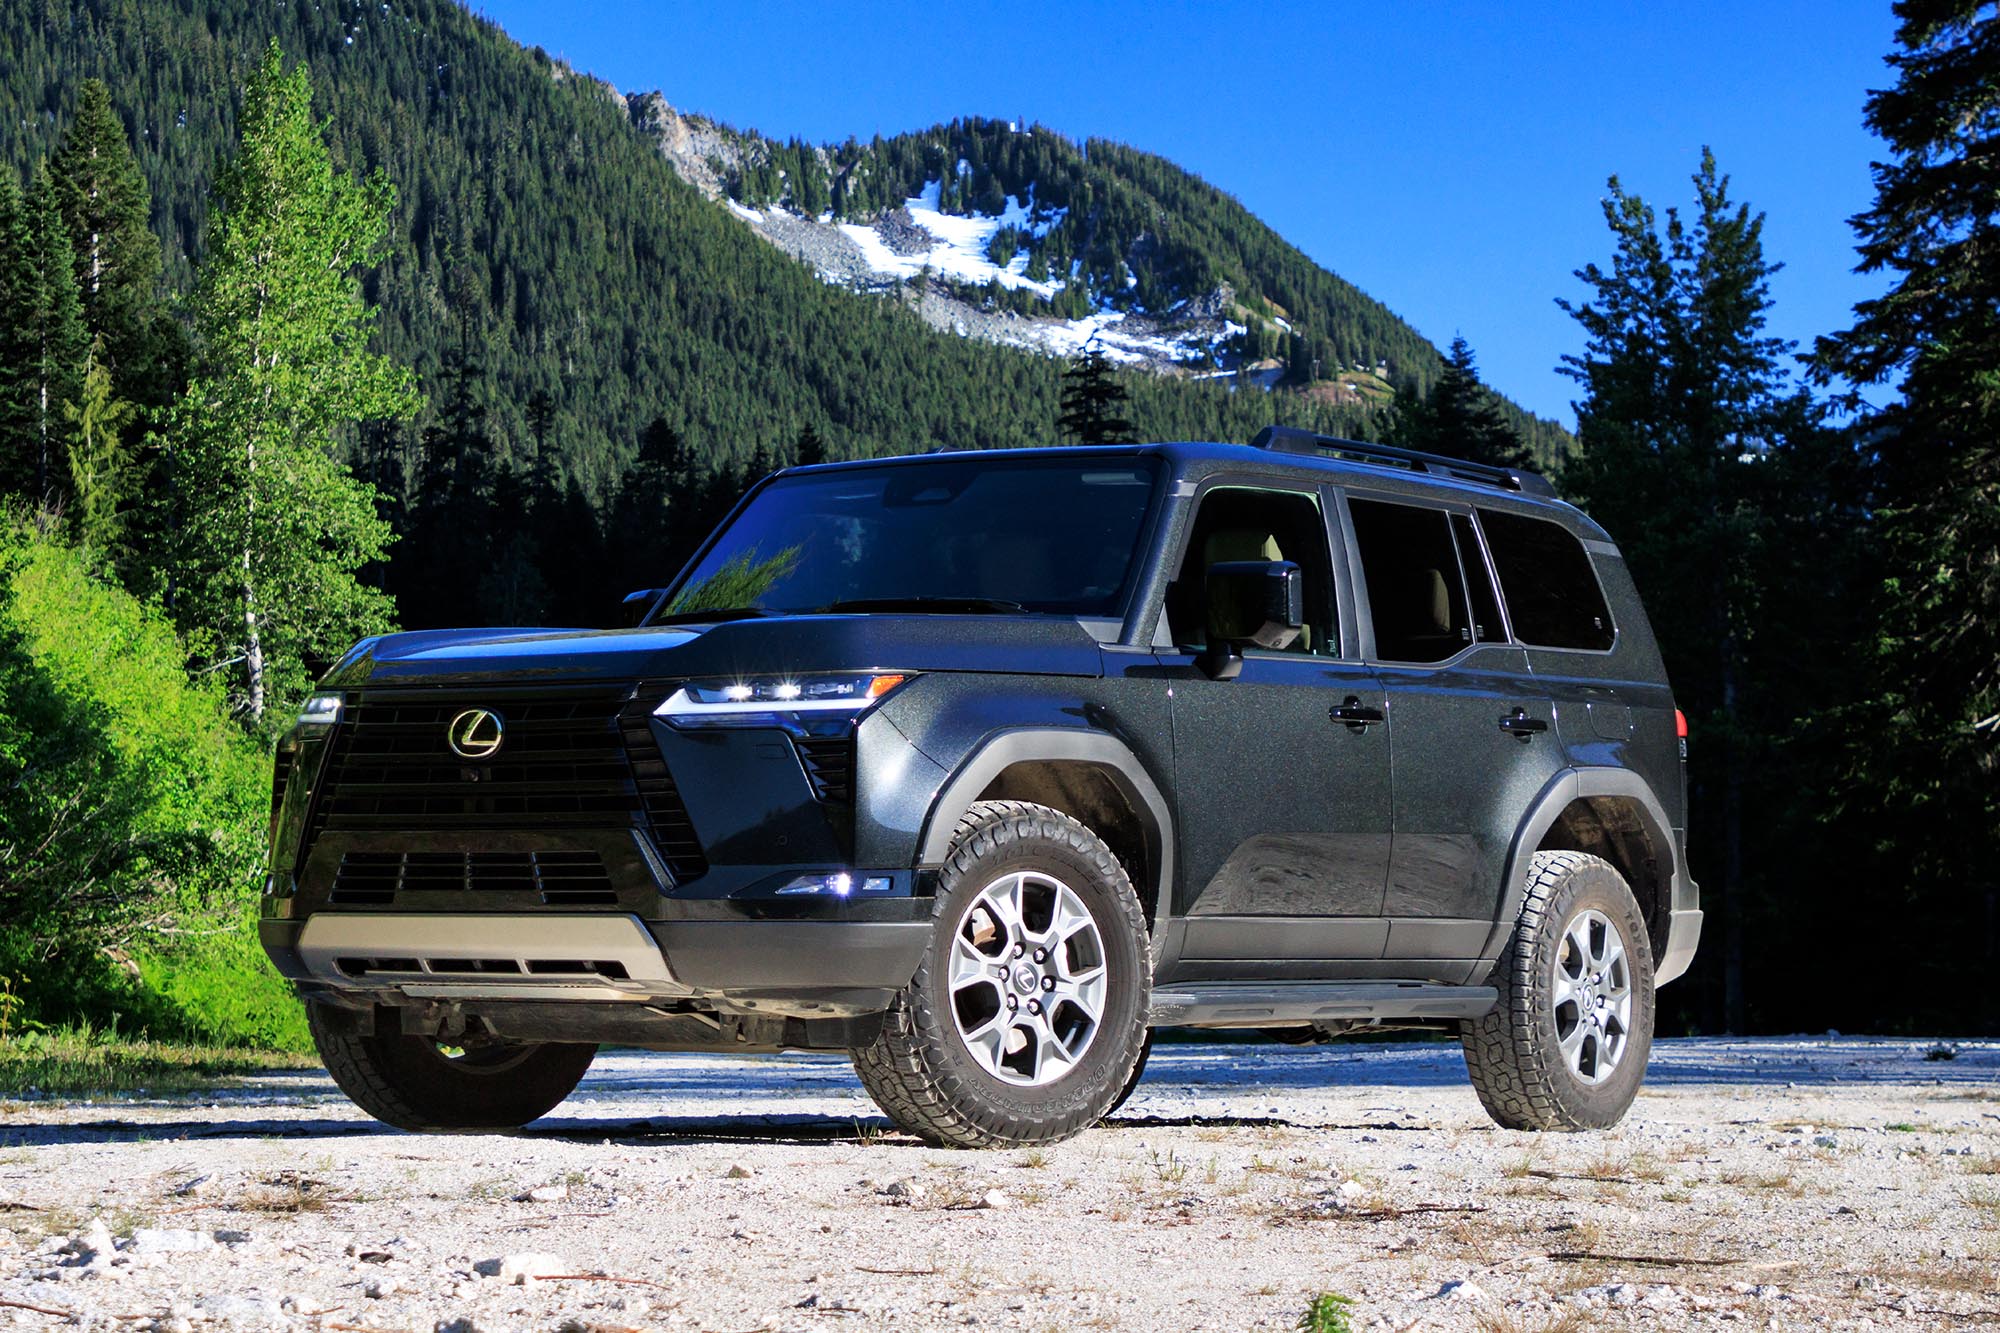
(104, 203)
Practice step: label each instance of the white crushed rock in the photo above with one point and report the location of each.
(1821, 1182)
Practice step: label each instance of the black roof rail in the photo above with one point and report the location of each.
(1293, 440)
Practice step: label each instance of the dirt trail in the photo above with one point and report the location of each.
(1844, 1183)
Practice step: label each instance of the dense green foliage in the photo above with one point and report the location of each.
(1926, 768)
(558, 288)
(1697, 451)
(268, 528)
(131, 815)
(43, 341)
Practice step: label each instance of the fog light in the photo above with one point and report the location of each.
(839, 884)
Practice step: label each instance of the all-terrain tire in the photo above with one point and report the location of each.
(920, 1070)
(1514, 1053)
(406, 1081)
(1132, 1079)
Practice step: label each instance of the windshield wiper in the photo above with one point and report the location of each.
(944, 605)
(715, 613)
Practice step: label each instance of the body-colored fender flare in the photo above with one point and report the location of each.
(1004, 749)
(1684, 904)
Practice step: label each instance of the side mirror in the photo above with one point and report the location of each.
(1256, 602)
(638, 605)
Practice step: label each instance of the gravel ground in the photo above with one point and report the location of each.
(1844, 1183)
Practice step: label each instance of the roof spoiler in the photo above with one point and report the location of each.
(1293, 440)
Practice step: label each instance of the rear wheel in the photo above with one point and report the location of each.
(1566, 1046)
(1028, 1012)
(419, 1083)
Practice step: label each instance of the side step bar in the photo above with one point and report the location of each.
(1265, 1003)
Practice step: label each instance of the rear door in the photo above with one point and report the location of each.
(1283, 772)
(1474, 735)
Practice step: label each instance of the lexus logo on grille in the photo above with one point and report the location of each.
(476, 733)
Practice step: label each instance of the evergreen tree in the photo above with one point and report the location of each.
(42, 344)
(1933, 743)
(275, 528)
(1461, 417)
(657, 504)
(1684, 396)
(102, 468)
(104, 204)
(810, 448)
(1093, 402)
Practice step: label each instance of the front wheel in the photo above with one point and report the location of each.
(1566, 1046)
(1028, 1011)
(417, 1083)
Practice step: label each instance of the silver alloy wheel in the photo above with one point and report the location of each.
(1591, 996)
(1027, 978)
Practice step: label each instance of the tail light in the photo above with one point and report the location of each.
(1680, 724)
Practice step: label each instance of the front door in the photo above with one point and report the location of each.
(1282, 772)
(1474, 736)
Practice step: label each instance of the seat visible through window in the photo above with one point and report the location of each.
(1416, 591)
(1241, 524)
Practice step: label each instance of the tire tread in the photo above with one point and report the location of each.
(921, 1094)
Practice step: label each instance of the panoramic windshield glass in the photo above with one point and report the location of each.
(947, 535)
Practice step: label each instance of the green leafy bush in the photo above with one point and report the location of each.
(132, 816)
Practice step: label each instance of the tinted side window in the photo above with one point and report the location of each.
(1236, 523)
(1416, 595)
(1552, 592)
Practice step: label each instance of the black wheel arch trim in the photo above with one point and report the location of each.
(1004, 749)
(1574, 784)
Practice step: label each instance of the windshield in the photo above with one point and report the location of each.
(1044, 534)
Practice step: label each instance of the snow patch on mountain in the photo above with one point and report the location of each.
(891, 255)
(960, 244)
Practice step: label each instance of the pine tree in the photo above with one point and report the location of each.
(102, 468)
(1461, 417)
(275, 527)
(105, 205)
(809, 449)
(1683, 394)
(42, 344)
(1093, 402)
(1933, 746)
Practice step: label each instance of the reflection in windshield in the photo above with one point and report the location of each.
(1047, 534)
(741, 581)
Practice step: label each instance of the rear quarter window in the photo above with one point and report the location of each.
(1546, 577)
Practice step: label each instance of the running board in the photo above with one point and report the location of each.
(1267, 1003)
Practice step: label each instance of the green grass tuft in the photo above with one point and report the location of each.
(83, 1061)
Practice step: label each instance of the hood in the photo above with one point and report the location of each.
(1033, 645)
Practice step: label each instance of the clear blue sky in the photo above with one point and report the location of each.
(1447, 159)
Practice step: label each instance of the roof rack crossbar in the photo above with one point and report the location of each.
(1293, 440)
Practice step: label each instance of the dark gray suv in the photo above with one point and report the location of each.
(980, 766)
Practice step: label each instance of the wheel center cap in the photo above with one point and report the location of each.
(1026, 979)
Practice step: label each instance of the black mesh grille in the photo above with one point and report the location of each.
(673, 832)
(562, 761)
(829, 763)
(561, 878)
(571, 757)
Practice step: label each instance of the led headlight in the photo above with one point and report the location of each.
(771, 701)
(320, 710)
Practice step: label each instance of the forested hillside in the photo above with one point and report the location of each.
(540, 235)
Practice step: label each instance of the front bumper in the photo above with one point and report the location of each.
(726, 960)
